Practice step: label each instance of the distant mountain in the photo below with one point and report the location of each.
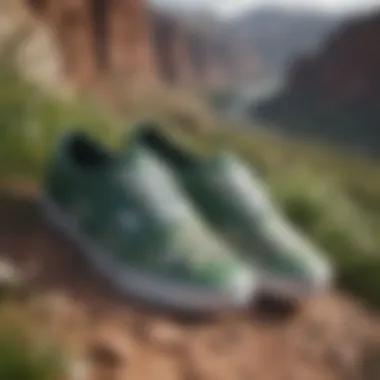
(334, 94)
(264, 40)
(278, 35)
(260, 43)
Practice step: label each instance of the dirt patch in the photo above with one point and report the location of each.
(332, 337)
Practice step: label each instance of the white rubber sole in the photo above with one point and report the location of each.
(294, 290)
(291, 290)
(153, 290)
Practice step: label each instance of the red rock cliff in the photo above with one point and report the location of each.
(196, 58)
(335, 94)
(101, 35)
(124, 38)
(347, 68)
(171, 50)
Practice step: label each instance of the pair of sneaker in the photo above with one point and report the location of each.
(177, 228)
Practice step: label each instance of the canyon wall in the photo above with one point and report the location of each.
(335, 93)
(348, 66)
(100, 36)
(30, 47)
(131, 42)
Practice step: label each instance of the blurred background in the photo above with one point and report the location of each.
(293, 86)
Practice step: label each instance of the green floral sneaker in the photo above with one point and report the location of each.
(236, 204)
(137, 226)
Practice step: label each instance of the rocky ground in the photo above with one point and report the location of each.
(114, 338)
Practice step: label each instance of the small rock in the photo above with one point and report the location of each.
(164, 335)
(11, 279)
(104, 355)
(109, 352)
(8, 272)
(78, 371)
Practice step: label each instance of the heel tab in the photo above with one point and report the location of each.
(69, 134)
(61, 147)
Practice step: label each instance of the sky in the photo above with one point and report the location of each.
(232, 7)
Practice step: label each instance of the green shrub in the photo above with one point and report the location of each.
(22, 359)
(362, 278)
(32, 119)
